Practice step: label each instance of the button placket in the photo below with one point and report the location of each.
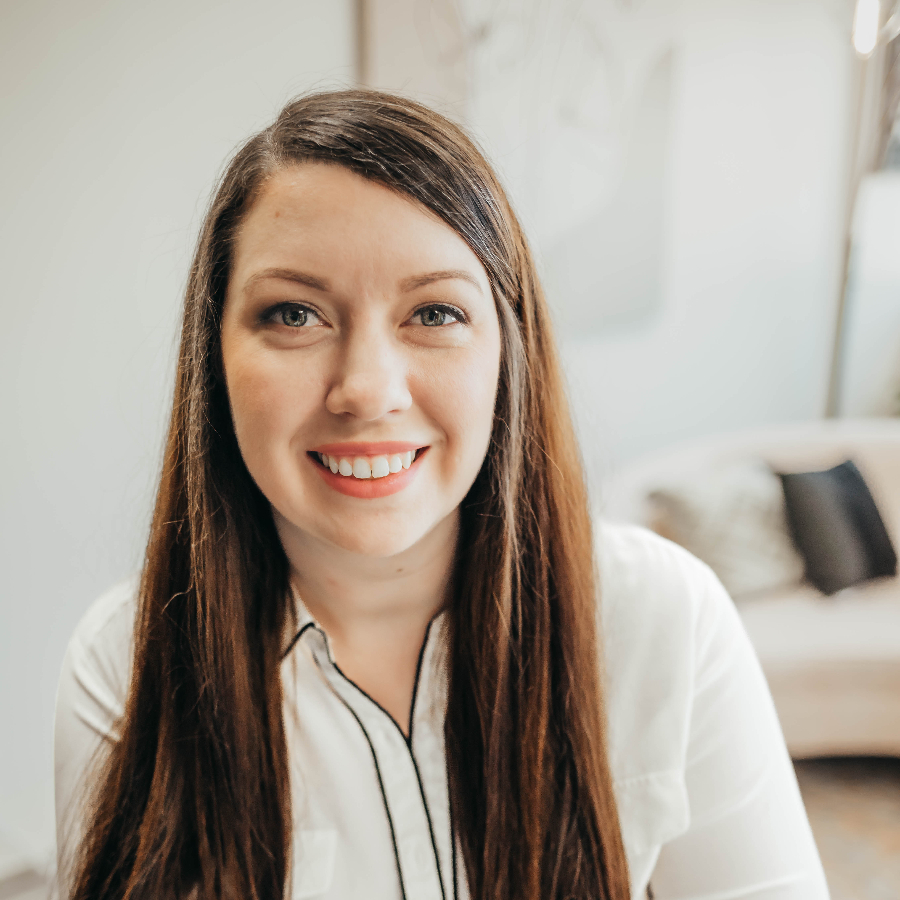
(430, 752)
(406, 802)
(336, 786)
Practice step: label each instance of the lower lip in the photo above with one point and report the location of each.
(369, 488)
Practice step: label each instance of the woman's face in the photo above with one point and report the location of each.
(359, 333)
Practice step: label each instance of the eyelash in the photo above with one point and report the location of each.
(444, 308)
(270, 314)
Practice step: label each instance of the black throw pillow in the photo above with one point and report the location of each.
(835, 523)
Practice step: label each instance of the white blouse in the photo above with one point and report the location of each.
(707, 798)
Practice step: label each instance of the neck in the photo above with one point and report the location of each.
(351, 594)
(376, 610)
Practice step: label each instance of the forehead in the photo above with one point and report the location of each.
(324, 215)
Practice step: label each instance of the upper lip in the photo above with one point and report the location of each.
(379, 448)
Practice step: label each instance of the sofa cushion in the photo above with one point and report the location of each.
(837, 528)
(732, 517)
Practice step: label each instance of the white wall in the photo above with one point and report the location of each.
(116, 116)
(753, 204)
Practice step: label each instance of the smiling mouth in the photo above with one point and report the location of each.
(367, 468)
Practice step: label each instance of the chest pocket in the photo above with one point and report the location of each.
(653, 809)
(315, 850)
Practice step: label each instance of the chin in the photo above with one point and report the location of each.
(373, 539)
(375, 543)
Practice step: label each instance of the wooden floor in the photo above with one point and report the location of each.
(854, 810)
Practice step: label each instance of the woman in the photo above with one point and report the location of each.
(363, 658)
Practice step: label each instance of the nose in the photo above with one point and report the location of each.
(370, 379)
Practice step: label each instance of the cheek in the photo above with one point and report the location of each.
(466, 397)
(268, 404)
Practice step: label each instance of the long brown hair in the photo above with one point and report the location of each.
(195, 794)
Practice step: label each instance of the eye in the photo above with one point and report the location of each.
(438, 314)
(291, 314)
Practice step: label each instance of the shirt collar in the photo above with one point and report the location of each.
(433, 672)
(297, 626)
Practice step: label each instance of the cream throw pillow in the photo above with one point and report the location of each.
(733, 517)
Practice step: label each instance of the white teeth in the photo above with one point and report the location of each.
(373, 467)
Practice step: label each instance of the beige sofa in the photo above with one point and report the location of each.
(833, 663)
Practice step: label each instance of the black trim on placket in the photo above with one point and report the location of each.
(384, 800)
(415, 693)
(296, 638)
(408, 741)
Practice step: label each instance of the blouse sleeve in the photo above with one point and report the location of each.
(749, 836)
(90, 701)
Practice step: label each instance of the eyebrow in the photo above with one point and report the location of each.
(412, 283)
(313, 281)
(419, 281)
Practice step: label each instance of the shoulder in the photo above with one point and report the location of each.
(112, 611)
(659, 607)
(634, 559)
(90, 702)
(649, 587)
(97, 665)
(107, 626)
